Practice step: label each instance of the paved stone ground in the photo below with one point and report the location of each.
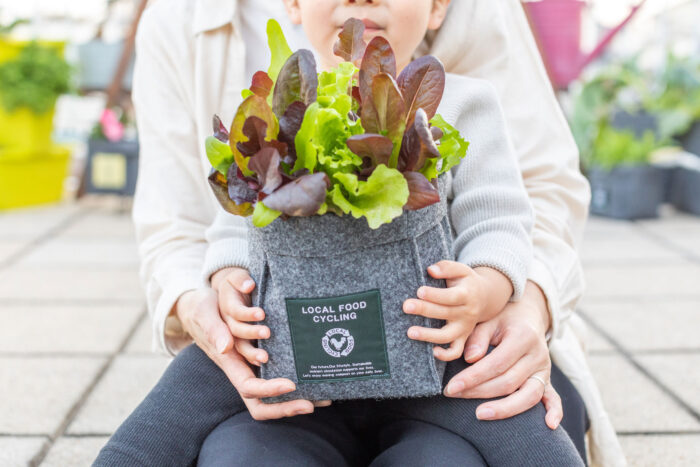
(75, 344)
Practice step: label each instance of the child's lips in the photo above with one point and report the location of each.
(370, 25)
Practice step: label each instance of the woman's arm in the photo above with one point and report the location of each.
(171, 210)
(498, 46)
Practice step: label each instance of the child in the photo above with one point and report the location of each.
(491, 216)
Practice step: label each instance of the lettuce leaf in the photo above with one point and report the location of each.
(263, 216)
(350, 45)
(453, 148)
(219, 154)
(279, 49)
(253, 106)
(297, 82)
(380, 198)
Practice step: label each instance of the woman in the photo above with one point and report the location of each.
(188, 53)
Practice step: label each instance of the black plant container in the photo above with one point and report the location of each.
(691, 140)
(638, 122)
(628, 192)
(685, 190)
(112, 167)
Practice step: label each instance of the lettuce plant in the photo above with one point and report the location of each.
(357, 139)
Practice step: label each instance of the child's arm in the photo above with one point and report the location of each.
(225, 270)
(227, 245)
(492, 218)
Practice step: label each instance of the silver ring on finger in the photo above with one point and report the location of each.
(539, 379)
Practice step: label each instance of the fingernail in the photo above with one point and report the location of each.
(485, 413)
(259, 315)
(421, 292)
(261, 358)
(410, 307)
(434, 269)
(303, 412)
(248, 284)
(472, 351)
(454, 388)
(413, 334)
(262, 333)
(221, 344)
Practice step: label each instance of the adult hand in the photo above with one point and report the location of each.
(199, 314)
(521, 351)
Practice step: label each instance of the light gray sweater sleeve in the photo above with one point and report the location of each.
(228, 244)
(490, 210)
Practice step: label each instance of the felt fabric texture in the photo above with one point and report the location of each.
(329, 255)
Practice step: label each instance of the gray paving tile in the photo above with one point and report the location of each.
(679, 372)
(600, 227)
(78, 252)
(33, 221)
(665, 450)
(10, 247)
(652, 325)
(688, 243)
(123, 387)
(17, 452)
(678, 224)
(74, 451)
(79, 283)
(642, 282)
(37, 393)
(597, 343)
(141, 340)
(102, 225)
(627, 249)
(633, 402)
(78, 328)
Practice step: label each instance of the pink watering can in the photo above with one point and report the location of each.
(557, 27)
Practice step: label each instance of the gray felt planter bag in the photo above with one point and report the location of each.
(332, 290)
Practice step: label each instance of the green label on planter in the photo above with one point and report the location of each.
(338, 338)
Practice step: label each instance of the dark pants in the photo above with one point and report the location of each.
(193, 397)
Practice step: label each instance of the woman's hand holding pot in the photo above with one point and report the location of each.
(521, 351)
(205, 321)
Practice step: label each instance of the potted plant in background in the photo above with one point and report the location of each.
(676, 102)
(32, 76)
(624, 183)
(617, 136)
(113, 150)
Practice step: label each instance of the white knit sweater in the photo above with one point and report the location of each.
(489, 207)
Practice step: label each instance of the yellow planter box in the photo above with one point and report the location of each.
(22, 128)
(32, 178)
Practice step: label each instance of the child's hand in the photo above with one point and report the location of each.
(233, 287)
(471, 296)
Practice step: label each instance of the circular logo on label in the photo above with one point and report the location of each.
(338, 342)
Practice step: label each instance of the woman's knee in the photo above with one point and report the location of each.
(240, 440)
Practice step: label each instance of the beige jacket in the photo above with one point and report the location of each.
(189, 66)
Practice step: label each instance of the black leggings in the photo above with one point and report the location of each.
(194, 396)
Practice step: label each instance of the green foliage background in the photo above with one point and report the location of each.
(34, 79)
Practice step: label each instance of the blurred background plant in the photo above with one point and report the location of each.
(34, 79)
